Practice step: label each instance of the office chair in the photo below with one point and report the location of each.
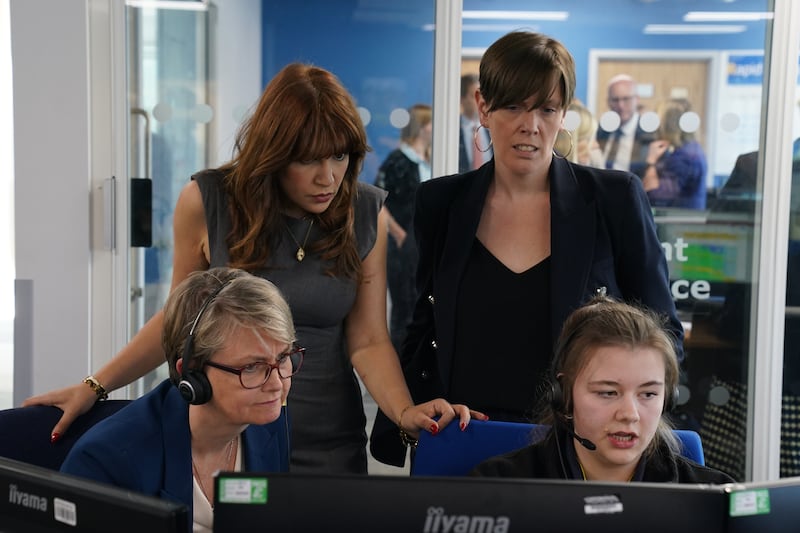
(25, 432)
(455, 453)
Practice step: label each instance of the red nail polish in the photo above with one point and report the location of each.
(486, 417)
(434, 429)
(54, 438)
(463, 426)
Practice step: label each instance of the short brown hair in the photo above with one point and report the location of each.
(522, 64)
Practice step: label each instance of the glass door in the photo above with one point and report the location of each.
(169, 89)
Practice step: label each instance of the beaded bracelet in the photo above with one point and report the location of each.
(96, 387)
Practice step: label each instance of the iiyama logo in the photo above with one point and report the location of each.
(31, 501)
(438, 522)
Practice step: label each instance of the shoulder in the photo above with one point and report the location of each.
(209, 178)
(142, 416)
(130, 433)
(691, 472)
(206, 189)
(445, 188)
(523, 463)
(367, 203)
(368, 195)
(396, 157)
(664, 466)
(605, 184)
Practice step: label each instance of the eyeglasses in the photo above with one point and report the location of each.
(254, 375)
(621, 99)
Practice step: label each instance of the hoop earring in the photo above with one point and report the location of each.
(571, 146)
(475, 140)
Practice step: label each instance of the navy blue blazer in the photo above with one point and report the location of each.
(146, 447)
(603, 235)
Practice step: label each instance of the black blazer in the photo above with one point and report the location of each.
(603, 235)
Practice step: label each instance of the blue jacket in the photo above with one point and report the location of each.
(146, 447)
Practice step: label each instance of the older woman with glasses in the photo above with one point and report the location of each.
(229, 340)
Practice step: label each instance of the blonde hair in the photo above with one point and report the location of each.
(584, 132)
(670, 113)
(419, 116)
(232, 298)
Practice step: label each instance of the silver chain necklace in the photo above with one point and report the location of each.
(225, 466)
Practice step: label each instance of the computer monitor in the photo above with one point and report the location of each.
(303, 502)
(38, 500)
(772, 506)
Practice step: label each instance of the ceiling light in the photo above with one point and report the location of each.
(677, 29)
(516, 15)
(199, 5)
(498, 27)
(726, 16)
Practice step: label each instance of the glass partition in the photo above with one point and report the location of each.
(790, 413)
(169, 91)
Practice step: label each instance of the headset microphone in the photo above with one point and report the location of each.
(556, 398)
(586, 443)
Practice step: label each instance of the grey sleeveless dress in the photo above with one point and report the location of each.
(325, 407)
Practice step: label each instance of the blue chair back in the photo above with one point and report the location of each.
(453, 452)
(25, 432)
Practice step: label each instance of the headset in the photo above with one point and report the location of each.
(194, 385)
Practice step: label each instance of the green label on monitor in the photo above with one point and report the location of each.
(243, 490)
(749, 502)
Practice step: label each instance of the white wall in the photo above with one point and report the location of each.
(51, 155)
(238, 69)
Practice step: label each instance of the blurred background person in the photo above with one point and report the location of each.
(676, 163)
(582, 125)
(474, 143)
(400, 174)
(624, 148)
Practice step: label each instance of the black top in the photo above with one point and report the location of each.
(498, 307)
(554, 457)
(400, 177)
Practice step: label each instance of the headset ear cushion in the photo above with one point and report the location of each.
(556, 396)
(195, 387)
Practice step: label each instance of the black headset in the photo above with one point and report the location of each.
(194, 385)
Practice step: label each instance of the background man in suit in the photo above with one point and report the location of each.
(469, 155)
(626, 147)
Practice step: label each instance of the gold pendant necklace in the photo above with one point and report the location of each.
(301, 252)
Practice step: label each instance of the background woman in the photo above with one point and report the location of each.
(676, 163)
(400, 175)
